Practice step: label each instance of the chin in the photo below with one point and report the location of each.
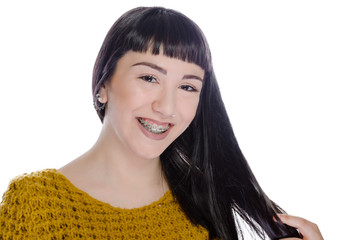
(150, 157)
(151, 153)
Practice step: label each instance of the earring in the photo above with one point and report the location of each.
(98, 106)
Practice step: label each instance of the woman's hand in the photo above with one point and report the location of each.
(308, 230)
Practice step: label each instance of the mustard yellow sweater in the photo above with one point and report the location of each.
(45, 205)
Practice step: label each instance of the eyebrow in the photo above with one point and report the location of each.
(163, 71)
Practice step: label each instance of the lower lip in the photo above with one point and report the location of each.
(153, 136)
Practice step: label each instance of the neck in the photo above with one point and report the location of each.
(110, 172)
(110, 163)
(117, 164)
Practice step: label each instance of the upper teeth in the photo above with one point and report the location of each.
(154, 128)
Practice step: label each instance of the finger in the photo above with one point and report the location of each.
(289, 238)
(294, 221)
(308, 229)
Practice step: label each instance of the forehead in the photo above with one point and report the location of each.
(131, 59)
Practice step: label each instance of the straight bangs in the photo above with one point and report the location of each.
(171, 33)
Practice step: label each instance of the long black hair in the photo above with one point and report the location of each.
(204, 167)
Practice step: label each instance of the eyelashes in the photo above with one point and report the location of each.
(152, 79)
(188, 88)
(149, 78)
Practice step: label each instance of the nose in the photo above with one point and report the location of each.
(165, 104)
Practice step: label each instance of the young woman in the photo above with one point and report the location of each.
(166, 164)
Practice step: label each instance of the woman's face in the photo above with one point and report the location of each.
(151, 100)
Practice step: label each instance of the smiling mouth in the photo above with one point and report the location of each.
(153, 127)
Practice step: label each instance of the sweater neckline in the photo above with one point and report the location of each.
(167, 198)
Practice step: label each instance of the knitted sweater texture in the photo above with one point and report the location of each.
(46, 205)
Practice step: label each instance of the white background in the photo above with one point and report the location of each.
(289, 72)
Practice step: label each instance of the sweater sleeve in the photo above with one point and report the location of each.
(15, 210)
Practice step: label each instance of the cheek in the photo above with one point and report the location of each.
(129, 97)
(188, 107)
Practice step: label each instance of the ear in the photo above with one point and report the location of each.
(103, 94)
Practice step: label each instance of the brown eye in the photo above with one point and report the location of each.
(149, 78)
(188, 88)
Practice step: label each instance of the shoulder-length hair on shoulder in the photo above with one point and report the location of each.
(205, 168)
